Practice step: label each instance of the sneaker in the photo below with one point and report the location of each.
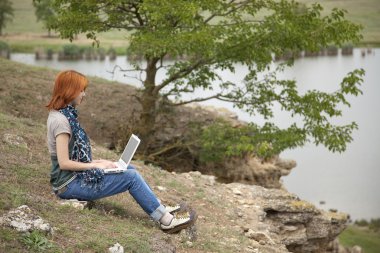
(172, 209)
(179, 222)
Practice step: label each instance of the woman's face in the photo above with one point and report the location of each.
(79, 98)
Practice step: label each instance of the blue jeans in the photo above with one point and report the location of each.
(129, 180)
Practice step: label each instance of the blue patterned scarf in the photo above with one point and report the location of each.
(81, 150)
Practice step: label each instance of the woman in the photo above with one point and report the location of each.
(75, 175)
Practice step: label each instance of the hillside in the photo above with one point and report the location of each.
(232, 217)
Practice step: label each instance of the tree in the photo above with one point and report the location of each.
(6, 14)
(45, 13)
(204, 37)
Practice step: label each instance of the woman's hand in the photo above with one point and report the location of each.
(104, 164)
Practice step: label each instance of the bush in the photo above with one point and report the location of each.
(361, 223)
(4, 46)
(221, 140)
(70, 52)
(332, 50)
(347, 49)
(373, 224)
(89, 53)
(5, 51)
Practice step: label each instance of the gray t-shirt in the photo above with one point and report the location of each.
(57, 124)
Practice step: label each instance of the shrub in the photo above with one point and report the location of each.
(361, 223)
(71, 52)
(4, 45)
(375, 224)
(221, 140)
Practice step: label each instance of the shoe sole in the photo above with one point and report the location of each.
(193, 218)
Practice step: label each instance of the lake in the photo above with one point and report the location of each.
(348, 181)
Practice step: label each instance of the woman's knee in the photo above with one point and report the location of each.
(131, 174)
(131, 167)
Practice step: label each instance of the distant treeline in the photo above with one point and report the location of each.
(373, 224)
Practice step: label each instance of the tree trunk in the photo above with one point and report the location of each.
(149, 106)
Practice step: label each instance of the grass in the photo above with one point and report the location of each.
(25, 34)
(37, 241)
(368, 240)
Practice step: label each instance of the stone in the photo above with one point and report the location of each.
(356, 249)
(252, 249)
(236, 191)
(210, 180)
(260, 237)
(117, 248)
(288, 228)
(23, 220)
(74, 203)
(195, 173)
(15, 140)
(161, 188)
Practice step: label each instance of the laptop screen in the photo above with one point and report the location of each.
(130, 149)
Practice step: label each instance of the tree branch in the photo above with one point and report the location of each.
(233, 9)
(196, 100)
(180, 74)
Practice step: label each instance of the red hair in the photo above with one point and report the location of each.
(68, 85)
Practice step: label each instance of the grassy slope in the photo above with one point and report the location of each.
(25, 33)
(367, 239)
(24, 177)
(364, 12)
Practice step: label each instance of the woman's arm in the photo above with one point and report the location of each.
(65, 163)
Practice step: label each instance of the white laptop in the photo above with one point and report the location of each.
(126, 156)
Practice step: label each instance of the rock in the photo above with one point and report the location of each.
(210, 180)
(195, 173)
(260, 237)
(253, 170)
(300, 225)
(74, 203)
(252, 249)
(23, 219)
(161, 188)
(15, 140)
(356, 249)
(117, 248)
(236, 191)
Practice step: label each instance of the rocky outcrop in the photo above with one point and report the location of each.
(254, 171)
(286, 220)
(301, 226)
